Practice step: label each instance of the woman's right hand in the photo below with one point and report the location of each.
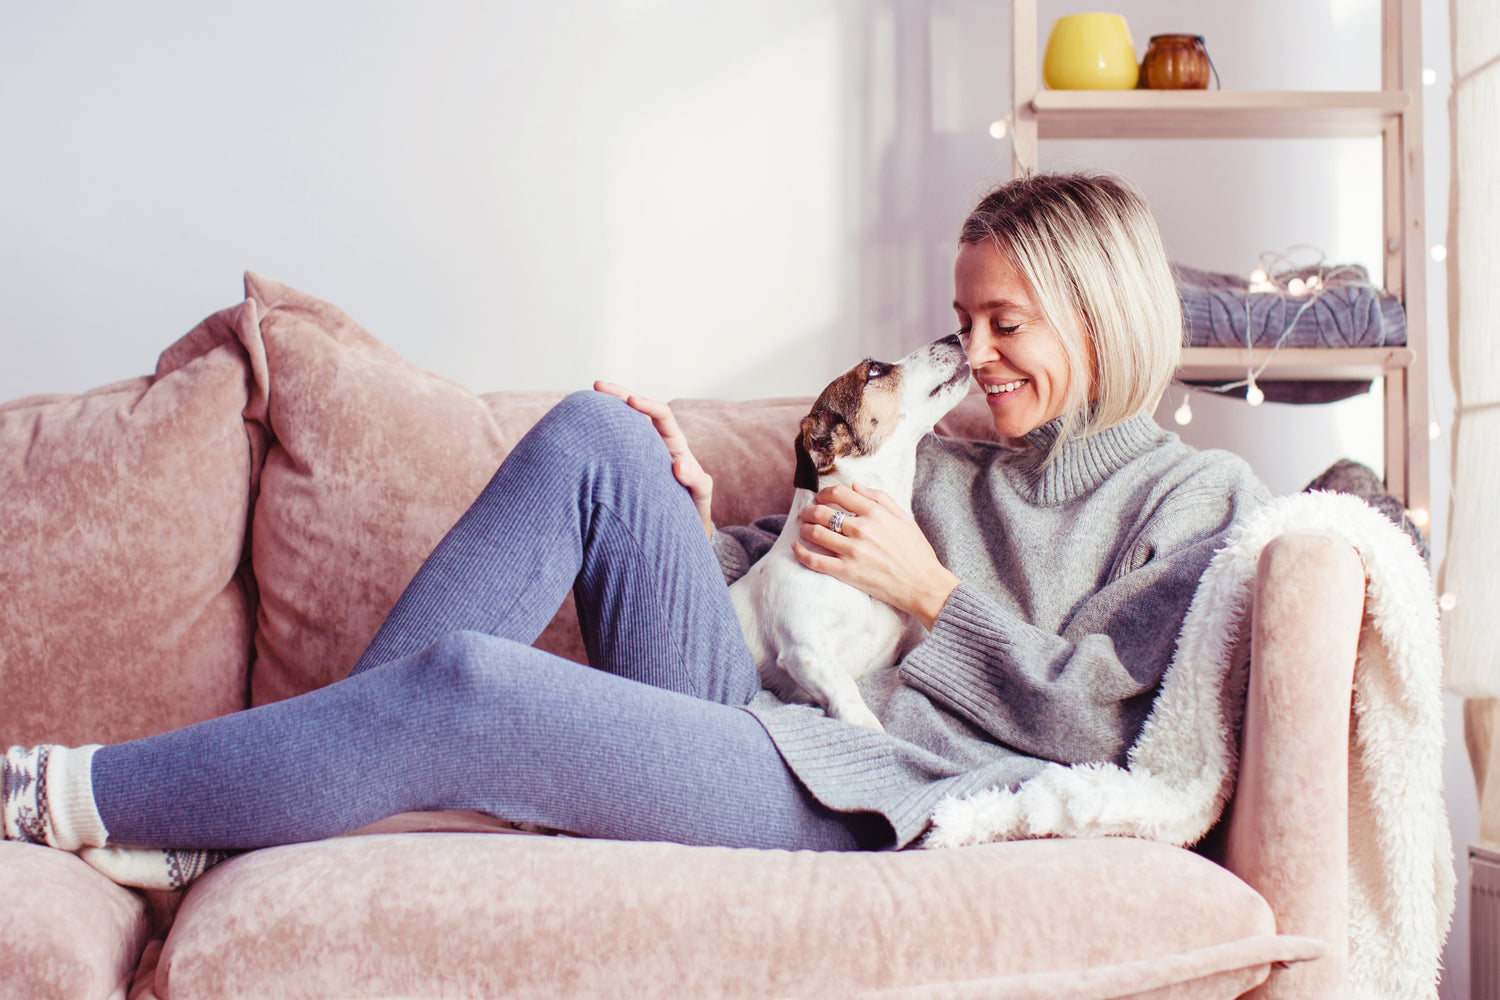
(699, 484)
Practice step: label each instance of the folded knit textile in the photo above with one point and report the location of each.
(1220, 310)
(1345, 310)
(1180, 772)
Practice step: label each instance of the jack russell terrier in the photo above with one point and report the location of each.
(813, 636)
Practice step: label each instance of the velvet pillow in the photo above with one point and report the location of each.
(122, 525)
(372, 459)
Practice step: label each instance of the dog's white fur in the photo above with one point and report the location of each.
(813, 636)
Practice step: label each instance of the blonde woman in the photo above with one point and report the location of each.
(1052, 571)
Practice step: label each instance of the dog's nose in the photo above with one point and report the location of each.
(951, 339)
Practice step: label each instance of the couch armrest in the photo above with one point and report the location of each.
(1288, 824)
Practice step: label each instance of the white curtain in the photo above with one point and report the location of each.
(1471, 572)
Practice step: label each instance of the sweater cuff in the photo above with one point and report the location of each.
(733, 562)
(958, 654)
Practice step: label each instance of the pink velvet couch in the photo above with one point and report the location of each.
(230, 531)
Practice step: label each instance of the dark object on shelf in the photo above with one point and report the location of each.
(1176, 62)
(1347, 476)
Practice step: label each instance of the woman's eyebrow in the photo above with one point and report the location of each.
(993, 305)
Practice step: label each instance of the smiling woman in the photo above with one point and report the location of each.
(1063, 288)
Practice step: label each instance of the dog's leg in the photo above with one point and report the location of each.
(830, 686)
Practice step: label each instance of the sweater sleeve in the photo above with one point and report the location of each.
(1084, 694)
(739, 547)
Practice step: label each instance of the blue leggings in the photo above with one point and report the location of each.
(450, 707)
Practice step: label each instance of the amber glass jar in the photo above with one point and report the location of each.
(1175, 62)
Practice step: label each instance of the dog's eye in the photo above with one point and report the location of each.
(876, 371)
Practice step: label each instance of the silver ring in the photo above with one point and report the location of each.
(836, 522)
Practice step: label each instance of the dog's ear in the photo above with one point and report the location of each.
(823, 437)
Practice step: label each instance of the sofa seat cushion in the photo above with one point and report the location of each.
(66, 932)
(488, 915)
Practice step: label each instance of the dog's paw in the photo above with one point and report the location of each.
(863, 717)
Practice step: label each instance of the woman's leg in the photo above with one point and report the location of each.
(586, 500)
(471, 722)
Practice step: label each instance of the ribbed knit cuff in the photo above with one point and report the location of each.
(950, 665)
(72, 818)
(733, 562)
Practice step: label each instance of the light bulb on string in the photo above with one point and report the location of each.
(1184, 413)
(1253, 394)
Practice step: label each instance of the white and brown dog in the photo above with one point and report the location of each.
(813, 636)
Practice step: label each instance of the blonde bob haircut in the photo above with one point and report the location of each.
(1089, 248)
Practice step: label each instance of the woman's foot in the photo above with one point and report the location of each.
(47, 798)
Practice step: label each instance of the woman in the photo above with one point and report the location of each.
(1052, 572)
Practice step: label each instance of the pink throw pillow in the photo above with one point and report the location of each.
(122, 524)
(372, 460)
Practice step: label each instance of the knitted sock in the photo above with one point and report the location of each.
(152, 867)
(47, 798)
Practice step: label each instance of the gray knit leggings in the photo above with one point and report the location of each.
(451, 708)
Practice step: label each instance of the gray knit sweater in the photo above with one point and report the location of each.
(1075, 577)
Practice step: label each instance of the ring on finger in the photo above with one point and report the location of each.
(836, 522)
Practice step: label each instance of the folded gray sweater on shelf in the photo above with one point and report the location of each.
(1341, 309)
(1220, 310)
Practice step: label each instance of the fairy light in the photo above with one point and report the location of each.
(1439, 252)
(1253, 394)
(1184, 413)
(1000, 129)
(1434, 430)
(1448, 601)
(1419, 516)
(1429, 76)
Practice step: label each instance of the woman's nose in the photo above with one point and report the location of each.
(980, 349)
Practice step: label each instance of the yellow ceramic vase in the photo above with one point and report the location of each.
(1090, 52)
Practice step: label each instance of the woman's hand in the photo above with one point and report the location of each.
(879, 549)
(700, 485)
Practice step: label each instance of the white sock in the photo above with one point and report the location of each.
(151, 867)
(49, 797)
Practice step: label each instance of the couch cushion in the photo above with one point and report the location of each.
(66, 932)
(465, 914)
(122, 525)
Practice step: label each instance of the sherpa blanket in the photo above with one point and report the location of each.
(1181, 770)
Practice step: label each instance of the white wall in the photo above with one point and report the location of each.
(692, 198)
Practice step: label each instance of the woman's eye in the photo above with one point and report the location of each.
(1004, 330)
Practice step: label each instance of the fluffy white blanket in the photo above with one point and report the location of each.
(1181, 770)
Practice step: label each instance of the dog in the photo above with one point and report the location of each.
(813, 636)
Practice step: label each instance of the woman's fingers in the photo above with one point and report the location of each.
(685, 466)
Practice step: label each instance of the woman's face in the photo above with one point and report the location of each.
(1017, 357)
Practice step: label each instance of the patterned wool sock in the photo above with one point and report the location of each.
(152, 867)
(48, 797)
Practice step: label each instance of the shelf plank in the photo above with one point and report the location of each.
(1294, 364)
(1223, 114)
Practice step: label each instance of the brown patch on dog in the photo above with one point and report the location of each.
(853, 416)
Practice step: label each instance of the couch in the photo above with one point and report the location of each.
(230, 531)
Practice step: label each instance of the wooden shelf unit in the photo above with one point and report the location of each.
(1393, 113)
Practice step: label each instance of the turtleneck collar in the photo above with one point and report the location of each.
(1083, 462)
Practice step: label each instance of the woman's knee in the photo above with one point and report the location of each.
(597, 423)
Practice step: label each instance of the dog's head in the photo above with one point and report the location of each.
(877, 404)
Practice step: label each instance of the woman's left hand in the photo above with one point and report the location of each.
(879, 549)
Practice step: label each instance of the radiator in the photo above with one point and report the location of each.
(1484, 922)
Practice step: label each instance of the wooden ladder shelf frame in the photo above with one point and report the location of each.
(1393, 113)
